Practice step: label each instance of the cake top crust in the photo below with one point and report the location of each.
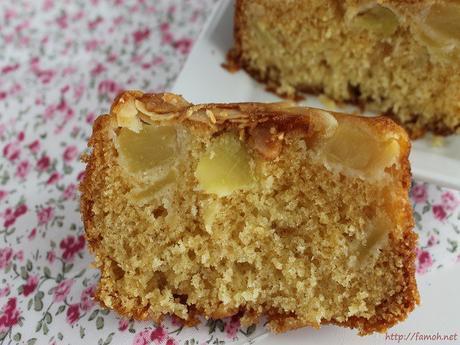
(130, 108)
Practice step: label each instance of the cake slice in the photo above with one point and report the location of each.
(250, 209)
(400, 58)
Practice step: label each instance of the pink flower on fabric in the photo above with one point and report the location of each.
(10, 14)
(449, 201)
(34, 146)
(70, 153)
(141, 35)
(9, 217)
(78, 91)
(166, 36)
(164, 27)
(32, 234)
(158, 335)
(432, 241)
(69, 192)
(123, 325)
(6, 254)
(137, 58)
(22, 169)
(79, 15)
(439, 212)
(90, 118)
(45, 215)
(3, 194)
(53, 178)
(65, 88)
(11, 151)
(10, 68)
(171, 9)
(158, 60)
(94, 23)
(62, 21)
(45, 75)
(4, 291)
(117, 21)
(419, 193)
(15, 90)
(48, 4)
(68, 70)
(86, 299)
(10, 315)
(112, 57)
(20, 210)
(51, 256)
(171, 341)
(232, 327)
(183, 45)
(71, 246)
(64, 108)
(49, 112)
(424, 261)
(62, 290)
(73, 314)
(92, 45)
(30, 285)
(19, 255)
(142, 338)
(43, 163)
(108, 87)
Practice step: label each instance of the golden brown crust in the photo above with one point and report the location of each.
(88, 187)
(237, 116)
(225, 116)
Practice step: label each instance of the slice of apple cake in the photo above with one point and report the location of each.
(250, 209)
(401, 58)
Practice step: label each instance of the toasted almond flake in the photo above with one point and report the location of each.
(152, 115)
(126, 113)
(211, 116)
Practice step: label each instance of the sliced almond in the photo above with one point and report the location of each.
(154, 116)
(126, 112)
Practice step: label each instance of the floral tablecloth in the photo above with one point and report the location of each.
(61, 63)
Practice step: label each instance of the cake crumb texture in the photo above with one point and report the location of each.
(398, 58)
(252, 210)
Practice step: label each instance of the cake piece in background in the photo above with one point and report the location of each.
(399, 58)
(297, 214)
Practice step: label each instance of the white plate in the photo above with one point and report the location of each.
(203, 80)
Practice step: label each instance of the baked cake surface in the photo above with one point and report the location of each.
(250, 209)
(400, 58)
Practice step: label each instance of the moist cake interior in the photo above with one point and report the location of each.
(307, 230)
(400, 58)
